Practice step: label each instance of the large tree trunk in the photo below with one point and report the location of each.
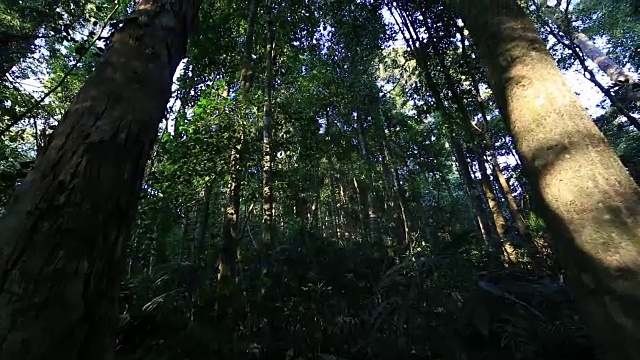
(581, 189)
(64, 234)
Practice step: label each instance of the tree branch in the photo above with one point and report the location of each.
(64, 78)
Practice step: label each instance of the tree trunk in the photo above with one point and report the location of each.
(604, 62)
(361, 207)
(267, 136)
(16, 47)
(591, 76)
(203, 227)
(230, 228)
(246, 76)
(396, 187)
(505, 246)
(366, 184)
(333, 206)
(230, 225)
(516, 214)
(487, 228)
(509, 255)
(63, 237)
(400, 194)
(580, 187)
(346, 227)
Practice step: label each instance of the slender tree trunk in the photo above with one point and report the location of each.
(508, 250)
(606, 64)
(396, 186)
(346, 226)
(366, 185)
(246, 76)
(487, 228)
(63, 237)
(203, 226)
(580, 187)
(615, 73)
(362, 207)
(335, 209)
(16, 47)
(267, 136)
(400, 195)
(333, 206)
(492, 199)
(387, 184)
(514, 210)
(230, 225)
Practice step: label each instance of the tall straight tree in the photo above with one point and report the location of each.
(267, 135)
(230, 229)
(63, 236)
(580, 187)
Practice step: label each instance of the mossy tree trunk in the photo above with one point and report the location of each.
(64, 235)
(590, 203)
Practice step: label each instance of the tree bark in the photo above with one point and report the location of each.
(487, 229)
(333, 206)
(580, 187)
(63, 237)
